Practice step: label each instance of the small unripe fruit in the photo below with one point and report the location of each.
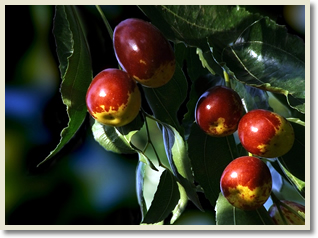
(143, 52)
(246, 183)
(290, 217)
(113, 98)
(218, 111)
(266, 134)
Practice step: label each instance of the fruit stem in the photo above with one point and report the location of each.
(109, 29)
(227, 79)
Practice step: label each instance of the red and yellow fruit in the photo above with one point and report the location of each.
(266, 134)
(294, 217)
(218, 111)
(143, 52)
(246, 183)
(113, 98)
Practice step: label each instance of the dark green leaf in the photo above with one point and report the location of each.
(209, 156)
(200, 79)
(75, 67)
(267, 57)
(226, 214)
(165, 200)
(192, 24)
(294, 161)
(165, 101)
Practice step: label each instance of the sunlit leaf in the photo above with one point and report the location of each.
(176, 150)
(226, 214)
(114, 139)
(165, 200)
(140, 174)
(267, 57)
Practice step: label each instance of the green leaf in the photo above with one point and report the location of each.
(192, 24)
(200, 80)
(165, 101)
(75, 67)
(267, 57)
(181, 206)
(165, 200)
(176, 150)
(295, 160)
(140, 174)
(117, 139)
(209, 156)
(226, 214)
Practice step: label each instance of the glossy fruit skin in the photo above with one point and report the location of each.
(143, 52)
(113, 98)
(246, 183)
(218, 111)
(290, 217)
(266, 134)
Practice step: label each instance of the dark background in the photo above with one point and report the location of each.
(84, 184)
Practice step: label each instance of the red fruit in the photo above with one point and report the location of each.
(295, 217)
(143, 52)
(113, 98)
(265, 133)
(218, 111)
(246, 183)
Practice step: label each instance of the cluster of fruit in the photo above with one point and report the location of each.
(145, 56)
(246, 182)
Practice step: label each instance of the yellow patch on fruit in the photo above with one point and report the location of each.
(123, 115)
(249, 199)
(219, 128)
(281, 143)
(142, 62)
(160, 77)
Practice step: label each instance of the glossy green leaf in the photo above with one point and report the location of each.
(165, 199)
(267, 57)
(209, 157)
(75, 67)
(181, 206)
(165, 101)
(111, 139)
(176, 150)
(192, 24)
(140, 174)
(117, 139)
(200, 81)
(226, 214)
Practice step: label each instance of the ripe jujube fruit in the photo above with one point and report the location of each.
(218, 111)
(246, 183)
(143, 52)
(294, 217)
(113, 98)
(265, 133)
